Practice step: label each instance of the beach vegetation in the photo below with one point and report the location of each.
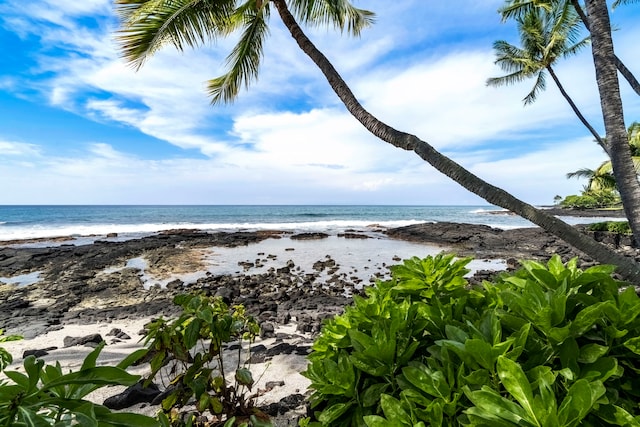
(601, 180)
(5, 356)
(548, 345)
(148, 25)
(592, 200)
(188, 353)
(44, 395)
(618, 227)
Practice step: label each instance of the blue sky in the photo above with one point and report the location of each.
(78, 126)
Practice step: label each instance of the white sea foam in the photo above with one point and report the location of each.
(132, 230)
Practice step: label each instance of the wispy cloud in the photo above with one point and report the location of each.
(289, 139)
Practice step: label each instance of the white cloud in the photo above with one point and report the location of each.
(268, 149)
(18, 149)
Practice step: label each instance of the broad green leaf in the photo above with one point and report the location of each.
(633, 344)
(101, 375)
(516, 383)
(601, 369)
(454, 333)
(377, 421)
(371, 394)
(393, 411)
(244, 377)
(133, 358)
(432, 383)
(616, 415)
(587, 317)
(332, 413)
(19, 378)
(592, 352)
(192, 333)
(579, 401)
(493, 407)
(629, 305)
(90, 360)
(33, 367)
(482, 352)
(569, 353)
(32, 419)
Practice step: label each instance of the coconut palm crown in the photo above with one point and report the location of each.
(601, 178)
(546, 35)
(148, 25)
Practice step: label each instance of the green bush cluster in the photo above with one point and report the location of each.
(591, 200)
(620, 227)
(550, 345)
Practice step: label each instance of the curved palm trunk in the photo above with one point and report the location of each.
(494, 195)
(574, 107)
(611, 103)
(626, 73)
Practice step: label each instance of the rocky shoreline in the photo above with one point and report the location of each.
(80, 286)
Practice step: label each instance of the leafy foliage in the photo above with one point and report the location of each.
(620, 227)
(591, 200)
(190, 348)
(5, 356)
(46, 396)
(550, 345)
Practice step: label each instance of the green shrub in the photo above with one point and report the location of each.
(591, 200)
(5, 356)
(192, 346)
(46, 396)
(548, 346)
(620, 227)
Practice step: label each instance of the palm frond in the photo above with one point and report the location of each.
(147, 25)
(622, 2)
(633, 132)
(514, 9)
(339, 13)
(244, 59)
(539, 86)
(511, 58)
(581, 173)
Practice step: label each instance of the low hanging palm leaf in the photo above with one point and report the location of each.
(147, 25)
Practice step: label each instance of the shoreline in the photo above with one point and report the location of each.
(94, 287)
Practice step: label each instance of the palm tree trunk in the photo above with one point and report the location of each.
(574, 107)
(612, 111)
(626, 73)
(494, 195)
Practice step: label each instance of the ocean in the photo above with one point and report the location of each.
(36, 222)
(35, 225)
(85, 223)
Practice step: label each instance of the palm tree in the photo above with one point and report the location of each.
(515, 8)
(606, 64)
(148, 24)
(612, 111)
(546, 36)
(602, 178)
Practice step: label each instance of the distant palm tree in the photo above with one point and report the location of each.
(601, 178)
(546, 35)
(515, 8)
